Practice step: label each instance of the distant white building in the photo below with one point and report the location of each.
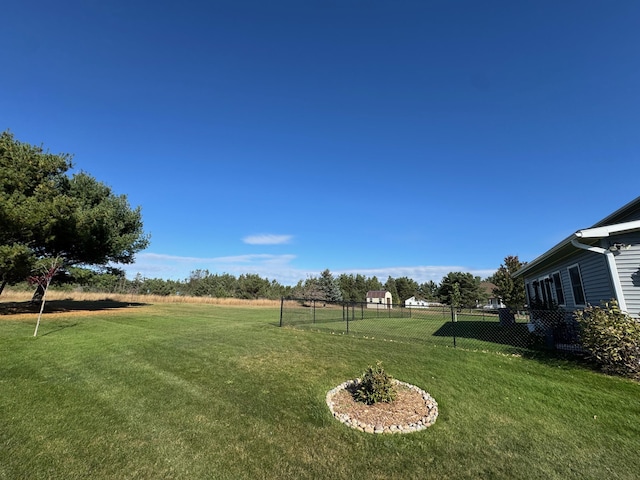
(379, 298)
(493, 302)
(413, 302)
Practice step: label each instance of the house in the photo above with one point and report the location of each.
(413, 302)
(378, 298)
(493, 302)
(590, 266)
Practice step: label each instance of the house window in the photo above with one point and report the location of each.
(557, 285)
(576, 285)
(546, 292)
(545, 284)
(537, 297)
(542, 298)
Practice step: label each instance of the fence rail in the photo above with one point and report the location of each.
(490, 330)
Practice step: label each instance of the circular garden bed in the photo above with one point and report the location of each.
(412, 410)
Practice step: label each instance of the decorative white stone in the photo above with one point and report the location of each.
(423, 423)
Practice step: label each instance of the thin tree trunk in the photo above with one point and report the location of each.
(38, 295)
(44, 294)
(44, 280)
(2, 285)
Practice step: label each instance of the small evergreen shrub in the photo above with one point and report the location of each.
(612, 338)
(375, 386)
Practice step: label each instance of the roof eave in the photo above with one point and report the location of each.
(590, 233)
(537, 261)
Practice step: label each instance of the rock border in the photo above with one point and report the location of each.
(425, 422)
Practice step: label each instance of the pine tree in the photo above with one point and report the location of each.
(509, 290)
(329, 287)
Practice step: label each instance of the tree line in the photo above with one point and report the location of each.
(456, 288)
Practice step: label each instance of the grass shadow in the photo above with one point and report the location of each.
(64, 306)
(61, 327)
(516, 335)
(562, 359)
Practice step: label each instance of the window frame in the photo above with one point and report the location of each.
(548, 289)
(576, 266)
(528, 291)
(559, 286)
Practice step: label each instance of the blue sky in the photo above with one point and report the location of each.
(402, 138)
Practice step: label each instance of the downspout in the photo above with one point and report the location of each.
(613, 268)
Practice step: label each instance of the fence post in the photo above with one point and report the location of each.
(281, 307)
(454, 319)
(314, 310)
(343, 305)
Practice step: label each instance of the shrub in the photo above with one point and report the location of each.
(375, 386)
(612, 338)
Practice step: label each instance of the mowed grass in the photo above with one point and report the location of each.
(210, 391)
(471, 330)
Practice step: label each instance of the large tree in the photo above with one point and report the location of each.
(29, 178)
(329, 287)
(46, 213)
(16, 262)
(390, 286)
(309, 289)
(354, 287)
(372, 283)
(506, 288)
(468, 287)
(429, 290)
(407, 288)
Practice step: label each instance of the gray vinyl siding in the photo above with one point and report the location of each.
(596, 278)
(594, 271)
(628, 264)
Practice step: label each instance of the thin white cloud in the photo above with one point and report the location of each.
(155, 265)
(275, 267)
(160, 257)
(267, 239)
(419, 273)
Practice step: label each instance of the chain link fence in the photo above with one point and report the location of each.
(490, 330)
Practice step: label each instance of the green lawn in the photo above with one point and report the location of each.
(472, 330)
(201, 391)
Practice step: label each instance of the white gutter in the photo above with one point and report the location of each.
(601, 232)
(595, 232)
(613, 268)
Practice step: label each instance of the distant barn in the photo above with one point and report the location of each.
(378, 298)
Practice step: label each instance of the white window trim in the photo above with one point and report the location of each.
(584, 295)
(531, 289)
(528, 287)
(564, 294)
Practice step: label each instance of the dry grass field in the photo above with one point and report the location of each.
(16, 304)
